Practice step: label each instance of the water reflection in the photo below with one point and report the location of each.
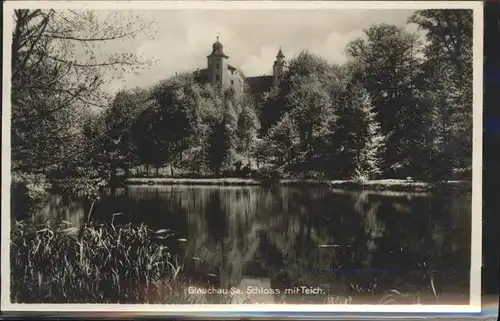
(360, 244)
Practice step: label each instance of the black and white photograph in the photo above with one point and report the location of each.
(275, 153)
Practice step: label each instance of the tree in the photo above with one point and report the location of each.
(299, 69)
(356, 142)
(271, 109)
(449, 33)
(369, 159)
(187, 112)
(210, 113)
(448, 70)
(56, 77)
(388, 65)
(115, 140)
(248, 127)
(311, 108)
(280, 146)
(145, 139)
(305, 96)
(221, 141)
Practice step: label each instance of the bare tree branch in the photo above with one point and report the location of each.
(42, 26)
(82, 65)
(92, 39)
(52, 81)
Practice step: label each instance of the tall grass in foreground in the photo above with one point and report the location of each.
(57, 263)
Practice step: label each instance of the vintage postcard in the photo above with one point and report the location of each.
(242, 156)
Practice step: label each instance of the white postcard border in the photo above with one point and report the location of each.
(476, 235)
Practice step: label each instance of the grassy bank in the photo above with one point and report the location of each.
(383, 184)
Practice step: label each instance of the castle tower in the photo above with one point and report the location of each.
(217, 66)
(278, 67)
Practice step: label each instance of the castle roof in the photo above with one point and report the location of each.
(238, 70)
(217, 50)
(259, 84)
(280, 54)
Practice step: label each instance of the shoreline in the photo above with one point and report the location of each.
(382, 184)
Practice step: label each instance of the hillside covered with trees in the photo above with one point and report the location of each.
(398, 108)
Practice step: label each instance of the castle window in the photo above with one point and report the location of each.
(217, 77)
(232, 82)
(217, 66)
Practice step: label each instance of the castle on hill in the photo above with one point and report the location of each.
(222, 75)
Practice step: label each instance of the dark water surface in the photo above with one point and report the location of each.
(393, 246)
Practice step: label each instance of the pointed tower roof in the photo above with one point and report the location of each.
(280, 54)
(217, 49)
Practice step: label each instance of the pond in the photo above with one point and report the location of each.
(364, 246)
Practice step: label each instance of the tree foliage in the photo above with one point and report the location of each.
(448, 92)
(388, 66)
(56, 77)
(387, 112)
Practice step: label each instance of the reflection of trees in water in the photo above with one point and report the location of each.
(417, 240)
(373, 228)
(57, 207)
(235, 224)
(220, 230)
(309, 232)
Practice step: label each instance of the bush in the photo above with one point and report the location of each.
(33, 186)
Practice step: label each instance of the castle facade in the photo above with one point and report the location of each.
(222, 75)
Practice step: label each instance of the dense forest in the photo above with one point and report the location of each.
(398, 108)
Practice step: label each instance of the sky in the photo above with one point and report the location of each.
(180, 40)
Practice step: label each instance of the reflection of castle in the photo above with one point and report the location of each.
(223, 75)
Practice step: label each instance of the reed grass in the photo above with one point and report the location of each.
(57, 263)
